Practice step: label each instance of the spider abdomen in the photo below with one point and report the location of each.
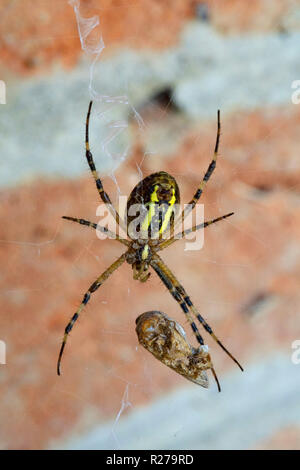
(152, 206)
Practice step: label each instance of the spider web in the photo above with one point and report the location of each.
(114, 113)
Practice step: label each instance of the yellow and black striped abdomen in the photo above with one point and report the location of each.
(152, 206)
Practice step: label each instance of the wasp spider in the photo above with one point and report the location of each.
(158, 193)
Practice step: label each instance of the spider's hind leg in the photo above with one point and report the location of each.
(102, 193)
(206, 177)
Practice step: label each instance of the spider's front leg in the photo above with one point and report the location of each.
(99, 281)
(171, 286)
(180, 295)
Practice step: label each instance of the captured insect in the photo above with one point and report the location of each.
(158, 193)
(166, 340)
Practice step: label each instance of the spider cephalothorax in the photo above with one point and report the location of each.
(151, 217)
(139, 255)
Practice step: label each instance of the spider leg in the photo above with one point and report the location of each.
(206, 177)
(172, 288)
(99, 281)
(185, 302)
(164, 244)
(104, 196)
(110, 234)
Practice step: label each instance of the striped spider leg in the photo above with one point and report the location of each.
(205, 179)
(106, 199)
(180, 295)
(104, 196)
(105, 230)
(99, 281)
(159, 268)
(165, 243)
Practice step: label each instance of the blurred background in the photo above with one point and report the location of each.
(165, 70)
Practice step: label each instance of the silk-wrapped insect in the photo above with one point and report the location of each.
(166, 340)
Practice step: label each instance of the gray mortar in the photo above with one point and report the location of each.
(41, 126)
(251, 408)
